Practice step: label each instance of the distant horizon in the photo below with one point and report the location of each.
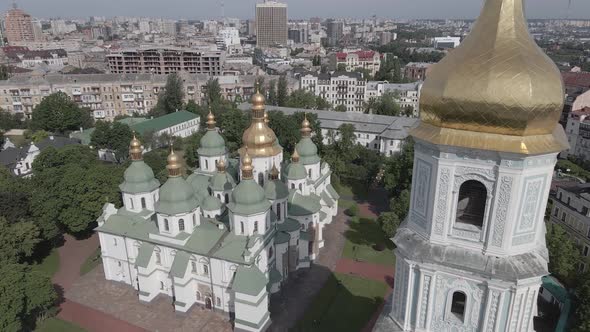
(298, 9)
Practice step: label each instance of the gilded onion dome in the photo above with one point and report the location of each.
(259, 139)
(496, 91)
(139, 177)
(174, 166)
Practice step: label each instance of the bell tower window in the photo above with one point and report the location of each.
(458, 305)
(143, 205)
(471, 205)
(261, 179)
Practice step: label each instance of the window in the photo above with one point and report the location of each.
(195, 220)
(143, 205)
(131, 203)
(206, 164)
(458, 305)
(309, 173)
(556, 213)
(166, 225)
(218, 302)
(568, 200)
(472, 203)
(292, 185)
(270, 252)
(585, 210)
(560, 195)
(226, 198)
(198, 296)
(585, 252)
(193, 266)
(119, 263)
(261, 179)
(161, 285)
(205, 269)
(241, 227)
(301, 187)
(158, 258)
(563, 216)
(256, 227)
(181, 225)
(278, 211)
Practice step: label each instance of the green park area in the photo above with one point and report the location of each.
(366, 242)
(345, 303)
(54, 324)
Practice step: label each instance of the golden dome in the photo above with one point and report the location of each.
(174, 164)
(259, 139)
(305, 127)
(211, 120)
(295, 156)
(221, 166)
(266, 119)
(496, 91)
(135, 149)
(247, 166)
(274, 172)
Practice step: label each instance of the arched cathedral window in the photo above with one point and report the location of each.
(143, 205)
(181, 225)
(261, 179)
(458, 305)
(472, 203)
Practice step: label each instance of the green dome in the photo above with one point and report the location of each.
(198, 181)
(248, 198)
(222, 182)
(176, 196)
(212, 144)
(302, 205)
(276, 189)
(211, 203)
(308, 151)
(139, 178)
(296, 171)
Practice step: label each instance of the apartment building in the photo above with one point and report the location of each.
(109, 95)
(338, 88)
(18, 26)
(406, 94)
(271, 24)
(166, 60)
(369, 60)
(23, 57)
(417, 71)
(571, 210)
(381, 133)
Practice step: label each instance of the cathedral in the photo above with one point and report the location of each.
(228, 235)
(471, 254)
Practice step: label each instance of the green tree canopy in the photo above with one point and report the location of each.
(302, 99)
(57, 113)
(389, 222)
(564, 256)
(113, 136)
(171, 98)
(272, 93)
(282, 91)
(340, 108)
(233, 122)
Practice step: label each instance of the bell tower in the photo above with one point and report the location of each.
(471, 254)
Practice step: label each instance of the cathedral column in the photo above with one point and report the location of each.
(424, 309)
(494, 299)
(409, 294)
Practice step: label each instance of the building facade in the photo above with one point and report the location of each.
(339, 88)
(407, 95)
(471, 254)
(230, 234)
(166, 60)
(334, 31)
(446, 42)
(351, 61)
(18, 26)
(417, 71)
(577, 130)
(271, 24)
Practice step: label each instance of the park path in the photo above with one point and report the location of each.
(72, 255)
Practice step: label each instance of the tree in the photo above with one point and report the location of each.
(10, 121)
(171, 98)
(191, 144)
(582, 297)
(272, 93)
(340, 108)
(25, 294)
(408, 111)
(192, 107)
(232, 122)
(316, 60)
(347, 138)
(4, 72)
(341, 67)
(17, 240)
(113, 136)
(563, 254)
(58, 113)
(213, 93)
(301, 99)
(389, 222)
(401, 204)
(15, 197)
(365, 72)
(387, 105)
(322, 104)
(282, 93)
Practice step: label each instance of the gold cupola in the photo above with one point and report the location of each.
(259, 139)
(247, 169)
(305, 127)
(211, 120)
(221, 166)
(135, 149)
(174, 166)
(497, 91)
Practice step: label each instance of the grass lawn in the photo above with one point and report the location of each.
(345, 204)
(364, 233)
(91, 262)
(347, 306)
(49, 264)
(54, 324)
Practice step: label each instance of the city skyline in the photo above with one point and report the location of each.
(398, 9)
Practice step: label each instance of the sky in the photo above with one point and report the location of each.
(201, 9)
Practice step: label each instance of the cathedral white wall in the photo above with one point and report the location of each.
(209, 163)
(263, 165)
(262, 219)
(253, 309)
(190, 221)
(282, 216)
(314, 170)
(134, 203)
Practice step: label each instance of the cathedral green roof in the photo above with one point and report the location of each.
(276, 189)
(138, 178)
(163, 122)
(176, 196)
(179, 265)
(308, 151)
(332, 192)
(289, 225)
(274, 276)
(249, 280)
(212, 144)
(222, 182)
(296, 171)
(327, 199)
(211, 203)
(282, 237)
(232, 248)
(248, 198)
(300, 205)
(144, 254)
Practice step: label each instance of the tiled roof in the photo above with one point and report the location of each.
(163, 122)
(576, 79)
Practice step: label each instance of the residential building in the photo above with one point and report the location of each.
(335, 32)
(351, 61)
(299, 32)
(25, 58)
(417, 71)
(577, 92)
(571, 210)
(406, 94)
(109, 95)
(381, 133)
(471, 253)
(578, 136)
(18, 25)
(446, 42)
(338, 88)
(166, 60)
(271, 24)
(19, 160)
(386, 37)
(228, 235)
(228, 40)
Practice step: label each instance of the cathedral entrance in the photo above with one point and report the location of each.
(208, 303)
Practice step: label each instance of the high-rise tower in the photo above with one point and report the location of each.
(471, 254)
(271, 24)
(19, 26)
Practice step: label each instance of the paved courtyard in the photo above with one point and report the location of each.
(119, 300)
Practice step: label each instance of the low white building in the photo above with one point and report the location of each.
(446, 42)
(230, 234)
(369, 60)
(406, 94)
